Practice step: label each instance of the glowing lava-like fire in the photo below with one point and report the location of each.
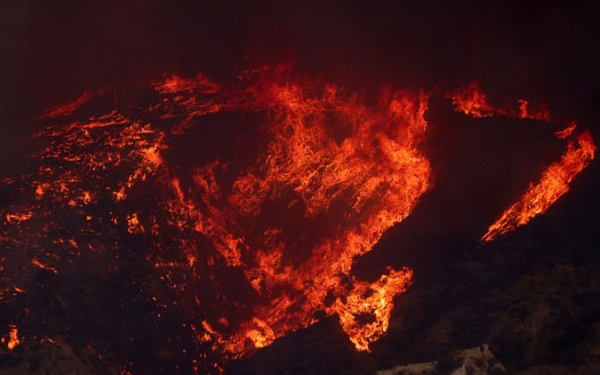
(254, 246)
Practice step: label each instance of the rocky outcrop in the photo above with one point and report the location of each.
(475, 361)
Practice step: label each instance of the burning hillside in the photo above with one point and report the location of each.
(251, 202)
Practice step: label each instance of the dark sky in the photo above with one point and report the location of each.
(53, 50)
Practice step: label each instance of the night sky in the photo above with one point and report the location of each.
(54, 50)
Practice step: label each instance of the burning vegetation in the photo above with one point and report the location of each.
(555, 179)
(257, 242)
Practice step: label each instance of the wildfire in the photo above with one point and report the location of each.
(554, 183)
(373, 302)
(555, 179)
(471, 101)
(374, 175)
(329, 176)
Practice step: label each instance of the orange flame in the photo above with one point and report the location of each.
(12, 341)
(471, 101)
(553, 184)
(330, 176)
(375, 170)
(374, 303)
(555, 179)
(18, 217)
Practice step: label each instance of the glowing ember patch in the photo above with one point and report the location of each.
(133, 224)
(43, 266)
(13, 338)
(120, 194)
(553, 184)
(152, 155)
(40, 189)
(18, 217)
(86, 198)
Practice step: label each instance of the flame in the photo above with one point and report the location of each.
(539, 113)
(18, 217)
(376, 171)
(331, 173)
(555, 179)
(471, 101)
(373, 302)
(12, 341)
(553, 184)
(13, 338)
